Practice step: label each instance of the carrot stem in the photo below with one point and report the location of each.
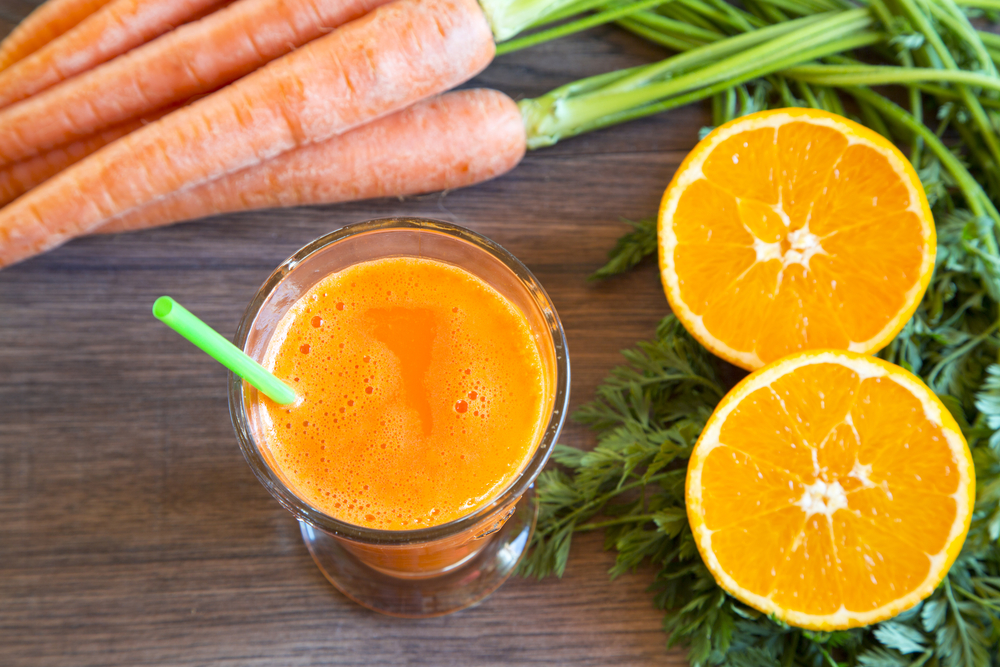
(923, 25)
(575, 26)
(853, 42)
(678, 43)
(577, 7)
(566, 112)
(876, 75)
(663, 24)
(507, 18)
(711, 54)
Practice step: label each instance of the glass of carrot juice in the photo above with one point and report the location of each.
(432, 380)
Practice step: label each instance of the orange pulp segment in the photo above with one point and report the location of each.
(830, 489)
(794, 229)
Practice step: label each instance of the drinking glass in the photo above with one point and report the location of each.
(427, 571)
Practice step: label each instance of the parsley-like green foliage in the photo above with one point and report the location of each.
(630, 249)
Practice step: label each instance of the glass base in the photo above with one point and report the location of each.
(459, 587)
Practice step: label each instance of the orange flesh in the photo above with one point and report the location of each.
(793, 240)
(862, 538)
(422, 393)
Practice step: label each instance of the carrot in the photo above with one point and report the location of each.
(396, 55)
(442, 143)
(18, 178)
(243, 37)
(43, 25)
(113, 29)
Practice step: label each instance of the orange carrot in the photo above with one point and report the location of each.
(18, 178)
(242, 38)
(396, 55)
(113, 29)
(43, 25)
(443, 143)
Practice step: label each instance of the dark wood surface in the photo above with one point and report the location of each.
(131, 530)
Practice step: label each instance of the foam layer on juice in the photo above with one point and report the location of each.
(422, 394)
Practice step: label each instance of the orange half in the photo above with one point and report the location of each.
(831, 489)
(794, 229)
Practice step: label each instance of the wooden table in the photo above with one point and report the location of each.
(131, 530)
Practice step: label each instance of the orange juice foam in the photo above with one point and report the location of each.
(422, 394)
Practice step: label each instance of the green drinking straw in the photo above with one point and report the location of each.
(178, 318)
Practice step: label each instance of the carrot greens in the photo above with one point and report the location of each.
(601, 101)
(510, 18)
(939, 99)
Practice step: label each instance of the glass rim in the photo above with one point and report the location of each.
(306, 512)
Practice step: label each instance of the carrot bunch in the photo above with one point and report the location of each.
(124, 114)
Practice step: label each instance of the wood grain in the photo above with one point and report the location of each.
(132, 531)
